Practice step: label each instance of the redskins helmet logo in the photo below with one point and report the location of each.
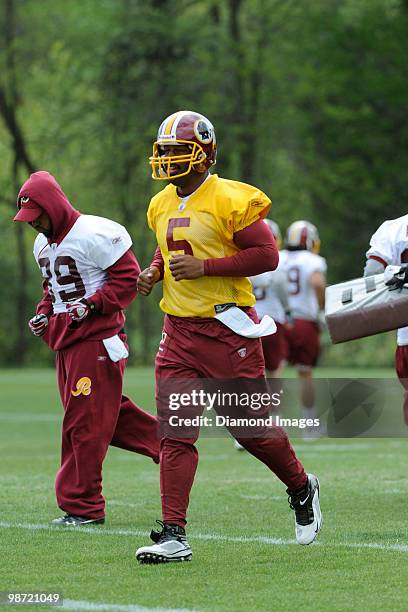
(203, 132)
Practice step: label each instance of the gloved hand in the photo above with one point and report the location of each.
(289, 320)
(396, 276)
(38, 324)
(78, 311)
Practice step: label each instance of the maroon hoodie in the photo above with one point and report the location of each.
(109, 301)
(45, 191)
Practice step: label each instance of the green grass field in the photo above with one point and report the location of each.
(240, 525)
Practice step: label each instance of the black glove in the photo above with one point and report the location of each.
(399, 279)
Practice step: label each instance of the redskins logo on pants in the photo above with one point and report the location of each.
(83, 387)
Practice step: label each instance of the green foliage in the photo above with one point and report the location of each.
(374, 351)
(308, 100)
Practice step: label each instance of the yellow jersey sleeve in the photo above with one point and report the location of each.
(247, 211)
(151, 216)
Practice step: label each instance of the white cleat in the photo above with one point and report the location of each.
(238, 446)
(170, 545)
(314, 433)
(75, 521)
(308, 516)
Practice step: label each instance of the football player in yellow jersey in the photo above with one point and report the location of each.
(210, 237)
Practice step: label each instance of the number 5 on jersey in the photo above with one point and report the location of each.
(178, 245)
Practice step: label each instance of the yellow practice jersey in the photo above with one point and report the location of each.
(204, 226)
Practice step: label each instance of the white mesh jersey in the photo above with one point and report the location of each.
(75, 268)
(271, 294)
(390, 244)
(299, 266)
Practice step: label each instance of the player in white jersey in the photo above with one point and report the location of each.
(389, 246)
(271, 293)
(306, 275)
(90, 276)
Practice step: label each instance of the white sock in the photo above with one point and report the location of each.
(309, 413)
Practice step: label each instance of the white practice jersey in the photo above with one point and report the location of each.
(271, 294)
(390, 243)
(75, 268)
(299, 266)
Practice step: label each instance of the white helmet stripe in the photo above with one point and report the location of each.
(168, 129)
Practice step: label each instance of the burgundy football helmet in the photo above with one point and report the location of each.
(183, 128)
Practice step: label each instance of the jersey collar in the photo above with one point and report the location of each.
(210, 179)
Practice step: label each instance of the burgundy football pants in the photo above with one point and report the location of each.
(205, 348)
(302, 343)
(96, 415)
(401, 366)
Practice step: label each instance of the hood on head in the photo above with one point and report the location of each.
(43, 189)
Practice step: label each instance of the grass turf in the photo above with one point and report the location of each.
(356, 564)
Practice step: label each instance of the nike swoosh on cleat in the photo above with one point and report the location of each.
(302, 503)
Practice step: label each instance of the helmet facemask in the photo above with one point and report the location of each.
(161, 164)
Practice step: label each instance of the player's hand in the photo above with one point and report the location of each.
(186, 267)
(78, 311)
(396, 276)
(147, 279)
(290, 322)
(38, 324)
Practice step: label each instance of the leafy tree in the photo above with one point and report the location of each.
(308, 100)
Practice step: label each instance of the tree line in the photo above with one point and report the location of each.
(308, 98)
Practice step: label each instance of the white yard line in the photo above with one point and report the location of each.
(261, 497)
(256, 497)
(117, 502)
(71, 604)
(102, 531)
(314, 446)
(23, 417)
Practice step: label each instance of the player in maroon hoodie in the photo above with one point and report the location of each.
(90, 276)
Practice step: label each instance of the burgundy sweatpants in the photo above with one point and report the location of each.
(401, 366)
(205, 348)
(96, 414)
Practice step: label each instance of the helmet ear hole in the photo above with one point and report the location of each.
(200, 167)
